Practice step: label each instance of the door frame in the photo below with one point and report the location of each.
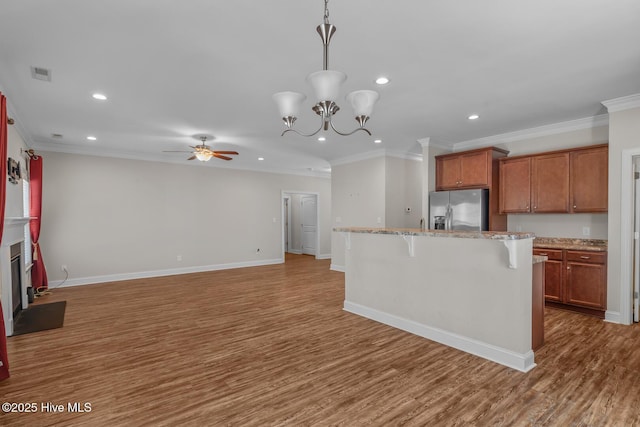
(287, 193)
(627, 198)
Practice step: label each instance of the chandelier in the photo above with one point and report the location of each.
(326, 85)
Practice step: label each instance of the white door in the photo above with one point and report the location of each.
(636, 268)
(309, 224)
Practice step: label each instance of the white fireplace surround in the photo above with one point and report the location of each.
(14, 232)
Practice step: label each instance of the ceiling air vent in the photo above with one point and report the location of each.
(40, 73)
(56, 135)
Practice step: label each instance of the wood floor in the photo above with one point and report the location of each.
(272, 346)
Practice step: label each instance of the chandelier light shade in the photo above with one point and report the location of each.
(326, 85)
(204, 156)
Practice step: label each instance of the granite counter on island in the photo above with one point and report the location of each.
(469, 290)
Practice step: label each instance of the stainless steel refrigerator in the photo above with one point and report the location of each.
(459, 210)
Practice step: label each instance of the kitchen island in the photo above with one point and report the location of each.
(468, 290)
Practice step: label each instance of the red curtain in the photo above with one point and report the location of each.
(4, 357)
(38, 272)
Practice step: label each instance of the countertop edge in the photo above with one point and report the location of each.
(488, 235)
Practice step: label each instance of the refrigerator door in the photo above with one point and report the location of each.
(438, 206)
(470, 210)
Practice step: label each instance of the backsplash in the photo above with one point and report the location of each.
(561, 225)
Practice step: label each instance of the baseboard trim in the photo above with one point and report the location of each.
(613, 317)
(81, 281)
(323, 256)
(336, 267)
(522, 362)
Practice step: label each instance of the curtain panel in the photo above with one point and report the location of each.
(38, 271)
(4, 357)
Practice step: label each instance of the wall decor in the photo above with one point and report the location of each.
(13, 169)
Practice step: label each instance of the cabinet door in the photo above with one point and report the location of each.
(586, 285)
(590, 180)
(515, 185)
(550, 183)
(553, 280)
(448, 173)
(474, 169)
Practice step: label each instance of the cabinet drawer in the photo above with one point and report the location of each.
(589, 257)
(552, 254)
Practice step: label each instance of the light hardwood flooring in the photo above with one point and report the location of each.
(272, 346)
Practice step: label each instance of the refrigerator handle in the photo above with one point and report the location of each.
(448, 218)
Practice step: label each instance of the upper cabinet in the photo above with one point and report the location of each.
(469, 169)
(568, 181)
(590, 180)
(473, 169)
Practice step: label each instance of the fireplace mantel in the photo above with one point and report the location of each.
(14, 232)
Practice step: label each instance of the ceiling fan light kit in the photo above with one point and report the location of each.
(326, 85)
(204, 153)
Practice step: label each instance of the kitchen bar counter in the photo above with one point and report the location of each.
(492, 235)
(468, 290)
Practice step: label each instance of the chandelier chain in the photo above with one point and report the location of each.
(326, 11)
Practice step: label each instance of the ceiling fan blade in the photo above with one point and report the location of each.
(225, 152)
(221, 156)
(191, 158)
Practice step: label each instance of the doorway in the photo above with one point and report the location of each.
(300, 223)
(636, 239)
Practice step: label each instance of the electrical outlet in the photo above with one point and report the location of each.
(258, 250)
(63, 268)
(586, 231)
(179, 258)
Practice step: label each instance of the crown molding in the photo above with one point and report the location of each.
(375, 154)
(426, 143)
(623, 103)
(537, 132)
(91, 151)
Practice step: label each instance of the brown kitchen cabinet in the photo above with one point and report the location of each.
(468, 169)
(565, 181)
(553, 269)
(515, 185)
(473, 169)
(586, 279)
(590, 179)
(550, 183)
(576, 279)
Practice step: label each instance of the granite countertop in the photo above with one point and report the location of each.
(489, 235)
(539, 258)
(594, 245)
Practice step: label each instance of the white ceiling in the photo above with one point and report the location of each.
(173, 69)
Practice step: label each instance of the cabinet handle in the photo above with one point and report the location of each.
(575, 207)
(542, 254)
(568, 268)
(584, 257)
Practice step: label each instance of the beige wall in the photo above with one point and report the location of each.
(104, 217)
(624, 134)
(374, 193)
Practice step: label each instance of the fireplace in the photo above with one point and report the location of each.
(16, 278)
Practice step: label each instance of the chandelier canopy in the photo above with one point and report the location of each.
(326, 86)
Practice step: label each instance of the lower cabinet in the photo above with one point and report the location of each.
(576, 279)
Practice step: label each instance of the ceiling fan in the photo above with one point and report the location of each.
(204, 153)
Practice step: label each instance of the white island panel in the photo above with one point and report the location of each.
(457, 291)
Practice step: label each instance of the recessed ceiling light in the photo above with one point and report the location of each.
(261, 158)
(322, 138)
(473, 117)
(382, 80)
(377, 141)
(99, 96)
(92, 138)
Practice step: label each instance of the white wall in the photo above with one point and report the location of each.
(109, 218)
(14, 206)
(403, 188)
(560, 225)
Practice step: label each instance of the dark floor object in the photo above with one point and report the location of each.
(40, 317)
